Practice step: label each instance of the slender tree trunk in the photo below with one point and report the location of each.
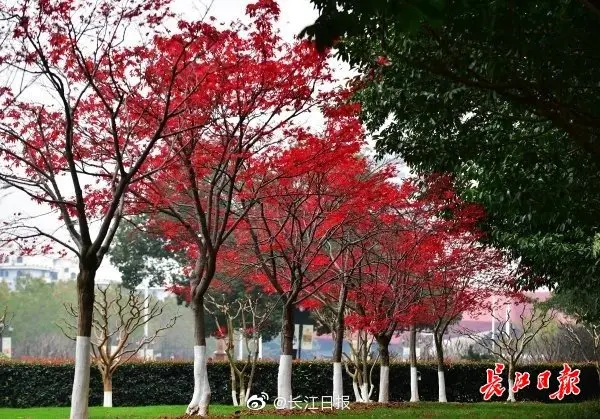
(598, 370)
(252, 371)
(511, 382)
(233, 386)
(201, 398)
(107, 382)
(231, 359)
(81, 380)
(242, 391)
(412, 353)
(338, 384)
(366, 378)
(284, 376)
(357, 395)
(439, 349)
(384, 373)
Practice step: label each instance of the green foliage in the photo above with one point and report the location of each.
(36, 307)
(172, 382)
(140, 255)
(471, 355)
(581, 305)
(504, 95)
(351, 17)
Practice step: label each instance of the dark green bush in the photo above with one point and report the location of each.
(31, 384)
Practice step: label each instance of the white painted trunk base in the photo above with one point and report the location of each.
(108, 399)
(338, 385)
(364, 393)
(441, 387)
(414, 384)
(284, 382)
(384, 384)
(81, 381)
(201, 398)
(511, 393)
(357, 395)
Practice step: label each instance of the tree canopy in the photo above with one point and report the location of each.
(503, 95)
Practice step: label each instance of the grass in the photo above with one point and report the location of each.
(421, 410)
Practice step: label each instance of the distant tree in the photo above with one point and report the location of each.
(37, 306)
(582, 326)
(512, 339)
(176, 342)
(586, 338)
(246, 315)
(118, 318)
(143, 256)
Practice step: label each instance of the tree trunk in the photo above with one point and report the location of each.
(81, 380)
(242, 391)
(384, 373)
(201, 398)
(414, 375)
(441, 372)
(284, 376)
(511, 382)
(231, 359)
(357, 395)
(338, 384)
(366, 378)
(598, 370)
(107, 382)
(233, 386)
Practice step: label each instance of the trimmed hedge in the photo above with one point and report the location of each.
(30, 384)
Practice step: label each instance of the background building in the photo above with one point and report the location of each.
(14, 268)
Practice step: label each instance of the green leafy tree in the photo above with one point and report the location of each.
(142, 256)
(37, 307)
(504, 95)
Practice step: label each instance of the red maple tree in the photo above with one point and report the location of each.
(84, 103)
(219, 164)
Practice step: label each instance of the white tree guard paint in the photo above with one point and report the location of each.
(205, 393)
(364, 389)
(107, 399)
(441, 387)
(384, 384)
(511, 393)
(81, 381)
(338, 385)
(201, 397)
(284, 382)
(414, 384)
(357, 395)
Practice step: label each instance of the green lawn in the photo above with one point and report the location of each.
(421, 410)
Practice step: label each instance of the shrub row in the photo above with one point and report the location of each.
(36, 384)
